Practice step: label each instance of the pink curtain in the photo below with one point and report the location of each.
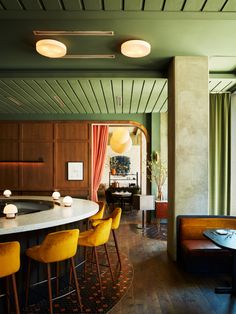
(100, 140)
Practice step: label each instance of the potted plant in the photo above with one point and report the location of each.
(157, 172)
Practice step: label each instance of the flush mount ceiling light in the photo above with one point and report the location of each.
(51, 48)
(135, 48)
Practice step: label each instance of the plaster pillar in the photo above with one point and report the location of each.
(188, 111)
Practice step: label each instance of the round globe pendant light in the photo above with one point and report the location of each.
(135, 48)
(120, 148)
(51, 48)
(120, 135)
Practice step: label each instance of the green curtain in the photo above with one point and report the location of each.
(219, 155)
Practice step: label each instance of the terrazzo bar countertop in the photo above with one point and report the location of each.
(58, 215)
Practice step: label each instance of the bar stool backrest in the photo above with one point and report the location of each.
(9, 258)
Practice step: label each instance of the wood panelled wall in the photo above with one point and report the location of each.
(55, 143)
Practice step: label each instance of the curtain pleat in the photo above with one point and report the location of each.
(219, 154)
(100, 141)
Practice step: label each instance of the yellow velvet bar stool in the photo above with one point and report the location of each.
(99, 214)
(94, 238)
(116, 216)
(9, 265)
(56, 247)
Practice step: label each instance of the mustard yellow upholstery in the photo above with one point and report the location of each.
(115, 215)
(57, 246)
(97, 236)
(100, 213)
(9, 258)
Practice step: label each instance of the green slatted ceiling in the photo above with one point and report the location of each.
(117, 5)
(83, 95)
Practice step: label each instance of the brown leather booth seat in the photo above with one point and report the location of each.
(195, 253)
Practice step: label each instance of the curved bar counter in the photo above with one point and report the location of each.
(31, 228)
(56, 216)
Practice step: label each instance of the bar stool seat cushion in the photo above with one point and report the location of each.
(97, 236)
(9, 258)
(57, 246)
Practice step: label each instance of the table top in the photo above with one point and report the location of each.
(58, 215)
(225, 238)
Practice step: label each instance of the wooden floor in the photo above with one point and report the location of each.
(159, 286)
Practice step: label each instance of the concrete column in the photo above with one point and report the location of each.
(188, 110)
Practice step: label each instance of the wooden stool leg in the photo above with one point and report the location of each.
(109, 262)
(98, 269)
(49, 287)
(57, 277)
(8, 295)
(85, 260)
(117, 248)
(76, 283)
(27, 283)
(15, 294)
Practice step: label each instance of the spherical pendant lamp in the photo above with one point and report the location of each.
(121, 135)
(120, 148)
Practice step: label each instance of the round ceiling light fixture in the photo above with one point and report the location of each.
(51, 48)
(135, 48)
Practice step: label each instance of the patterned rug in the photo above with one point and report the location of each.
(92, 300)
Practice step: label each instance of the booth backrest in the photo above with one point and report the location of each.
(192, 227)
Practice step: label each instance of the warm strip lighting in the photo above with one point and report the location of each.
(51, 48)
(74, 33)
(135, 48)
(101, 56)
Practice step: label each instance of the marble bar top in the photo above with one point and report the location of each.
(58, 215)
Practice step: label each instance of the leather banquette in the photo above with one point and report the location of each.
(196, 253)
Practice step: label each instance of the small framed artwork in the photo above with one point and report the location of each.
(75, 170)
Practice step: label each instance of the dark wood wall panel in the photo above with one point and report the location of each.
(71, 152)
(36, 131)
(37, 176)
(55, 143)
(72, 131)
(9, 174)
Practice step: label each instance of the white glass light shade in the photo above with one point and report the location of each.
(56, 195)
(10, 210)
(121, 135)
(7, 193)
(121, 147)
(51, 48)
(135, 48)
(67, 201)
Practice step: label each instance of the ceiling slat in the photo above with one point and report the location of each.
(81, 95)
(161, 99)
(74, 89)
(98, 90)
(133, 5)
(153, 5)
(155, 95)
(138, 84)
(20, 87)
(32, 4)
(214, 5)
(63, 91)
(118, 95)
(72, 5)
(106, 83)
(12, 5)
(146, 93)
(7, 91)
(48, 92)
(68, 90)
(93, 5)
(127, 92)
(230, 6)
(193, 5)
(52, 5)
(113, 5)
(88, 91)
(173, 5)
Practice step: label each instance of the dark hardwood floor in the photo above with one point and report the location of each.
(159, 286)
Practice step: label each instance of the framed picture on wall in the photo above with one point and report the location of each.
(75, 170)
